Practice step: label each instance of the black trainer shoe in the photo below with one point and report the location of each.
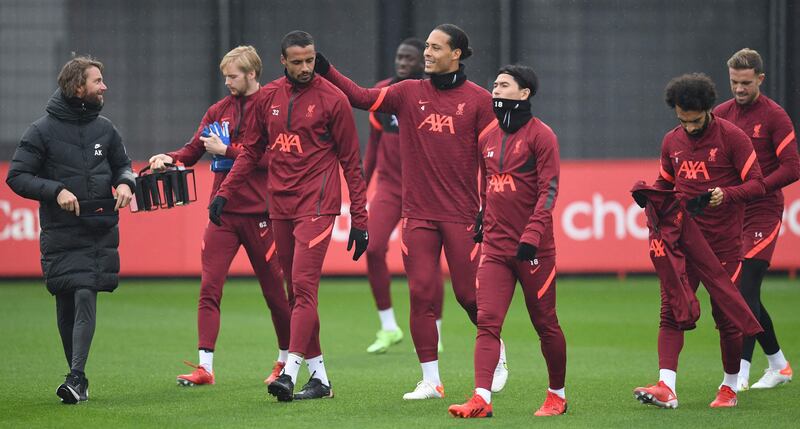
(314, 389)
(72, 389)
(84, 395)
(282, 388)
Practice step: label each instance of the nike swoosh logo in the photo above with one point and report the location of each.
(263, 234)
(274, 106)
(423, 102)
(490, 149)
(315, 218)
(755, 242)
(100, 210)
(677, 153)
(533, 271)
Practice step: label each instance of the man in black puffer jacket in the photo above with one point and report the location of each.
(69, 160)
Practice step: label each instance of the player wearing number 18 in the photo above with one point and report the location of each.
(520, 155)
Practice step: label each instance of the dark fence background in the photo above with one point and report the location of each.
(602, 64)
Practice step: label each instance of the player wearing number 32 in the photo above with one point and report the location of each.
(310, 132)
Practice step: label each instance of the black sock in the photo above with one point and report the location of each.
(767, 339)
(753, 271)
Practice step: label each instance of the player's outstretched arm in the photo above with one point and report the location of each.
(193, 150)
(384, 99)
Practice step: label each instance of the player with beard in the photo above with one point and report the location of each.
(705, 155)
(382, 159)
(440, 121)
(772, 133)
(245, 222)
(310, 132)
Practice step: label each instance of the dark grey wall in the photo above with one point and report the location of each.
(602, 64)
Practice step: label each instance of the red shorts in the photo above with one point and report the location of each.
(759, 236)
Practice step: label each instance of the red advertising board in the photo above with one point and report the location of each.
(598, 229)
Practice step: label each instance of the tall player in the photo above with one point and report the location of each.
(440, 120)
(522, 167)
(705, 154)
(310, 132)
(772, 134)
(382, 159)
(244, 220)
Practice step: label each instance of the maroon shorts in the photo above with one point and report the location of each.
(759, 236)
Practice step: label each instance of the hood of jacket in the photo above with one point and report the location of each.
(72, 109)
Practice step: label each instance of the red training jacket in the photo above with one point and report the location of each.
(521, 187)
(439, 142)
(772, 134)
(310, 131)
(722, 157)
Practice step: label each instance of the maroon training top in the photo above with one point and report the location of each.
(236, 111)
(310, 131)
(522, 184)
(772, 135)
(439, 142)
(722, 157)
(383, 149)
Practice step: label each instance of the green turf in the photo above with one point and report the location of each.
(147, 328)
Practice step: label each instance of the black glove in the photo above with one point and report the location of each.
(640, 199)
(215, 209)
(361, 239)
(526, 252)
(478, 237)
(696, 205)
(321, 64)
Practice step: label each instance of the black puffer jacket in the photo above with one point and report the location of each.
(73, 148)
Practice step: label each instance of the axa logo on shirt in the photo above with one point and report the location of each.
(287, 142)
(438, 123)
(97, 150)
(498, 182)
(692, 169)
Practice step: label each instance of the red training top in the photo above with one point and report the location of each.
(722, 157)
(439, 142)
(772, 134)
(310, 131)
(522, 184)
